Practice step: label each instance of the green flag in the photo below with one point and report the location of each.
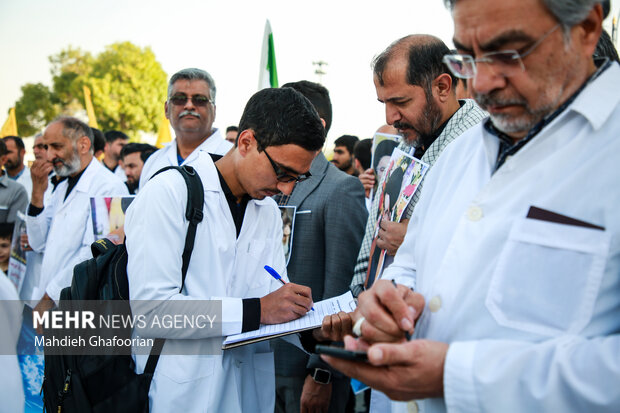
(268, 75)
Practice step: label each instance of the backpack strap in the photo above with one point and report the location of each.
(101, 246)
(193, 213)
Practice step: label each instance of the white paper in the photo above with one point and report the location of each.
(312, 319)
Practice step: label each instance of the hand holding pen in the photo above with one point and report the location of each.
(287, 303)
(387, 312)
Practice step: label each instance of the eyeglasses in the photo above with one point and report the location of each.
(505, 63)
(283, 176)
(197, 100)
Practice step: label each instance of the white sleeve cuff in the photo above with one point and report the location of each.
(405, 279)
(232, 315)
(458, 380)
(53, 290)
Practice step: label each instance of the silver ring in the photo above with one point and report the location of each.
(357, 327)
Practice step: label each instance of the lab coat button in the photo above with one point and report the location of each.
(434, 304)
(237, 363)
(474, 213)
(412, 407)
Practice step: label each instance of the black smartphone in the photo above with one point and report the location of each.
(341, 353)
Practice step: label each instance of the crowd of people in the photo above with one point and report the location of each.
(500, 289)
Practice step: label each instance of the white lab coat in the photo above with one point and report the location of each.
(120, 173)
(26, 181)
(530, 308)
(11, 389)
(221, 267)
(34, 259)
(167, 155)
(64, 230)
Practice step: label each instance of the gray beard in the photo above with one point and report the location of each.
(70, 167)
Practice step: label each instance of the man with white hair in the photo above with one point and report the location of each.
(62, 226)
(191, 110)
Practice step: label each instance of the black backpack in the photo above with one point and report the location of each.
(108, 383)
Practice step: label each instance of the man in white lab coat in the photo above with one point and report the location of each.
(114, 142)
(61, 226)
(512, 249)
(190, 108)
(241, 232)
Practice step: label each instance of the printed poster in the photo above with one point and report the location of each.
(17, 261)
(108, 215)
(31, 364)
(383, 144)
(288, 224)
(402, 178)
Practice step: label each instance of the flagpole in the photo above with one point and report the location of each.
(268, 74)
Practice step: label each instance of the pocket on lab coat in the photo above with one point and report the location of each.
(253, 259)
(185, 368)
(547, 277)
(264, 377)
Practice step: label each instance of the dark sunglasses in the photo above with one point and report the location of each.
(283, 176)
(197, 100)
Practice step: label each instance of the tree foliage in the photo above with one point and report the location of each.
(127, 82)
(37, 107)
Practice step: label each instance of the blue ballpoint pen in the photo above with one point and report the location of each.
(277, 276)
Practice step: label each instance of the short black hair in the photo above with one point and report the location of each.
(3, 149)
(384, 148)
(19, 143)
(424, 59)
(347, 140)
(605, 48)
(99, 139)
(362, 152)
(283, 116)
(318, 95)
(6, 229)
(112, 135)
(145, 150)
(232, 129)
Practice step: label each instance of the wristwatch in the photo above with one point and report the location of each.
(322, 376)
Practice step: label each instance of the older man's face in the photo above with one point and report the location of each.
(407, 107)
(553, 71)
(188, 118)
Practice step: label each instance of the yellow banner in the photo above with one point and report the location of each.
(163, 134)
(90, 111)
(10, 126)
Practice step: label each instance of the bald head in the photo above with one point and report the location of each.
(423, 55)
(389, 129)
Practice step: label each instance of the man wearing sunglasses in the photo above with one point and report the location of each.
(240, 233)
(190, 108)
(512, 250)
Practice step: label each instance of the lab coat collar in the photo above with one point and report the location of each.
(208, 145)
(91, 170)
(599, 99)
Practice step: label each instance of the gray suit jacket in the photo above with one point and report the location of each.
(329, 226)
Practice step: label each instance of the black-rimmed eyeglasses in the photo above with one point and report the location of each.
(506, 62)
(282, 175)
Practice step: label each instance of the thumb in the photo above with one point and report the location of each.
(392, 353)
